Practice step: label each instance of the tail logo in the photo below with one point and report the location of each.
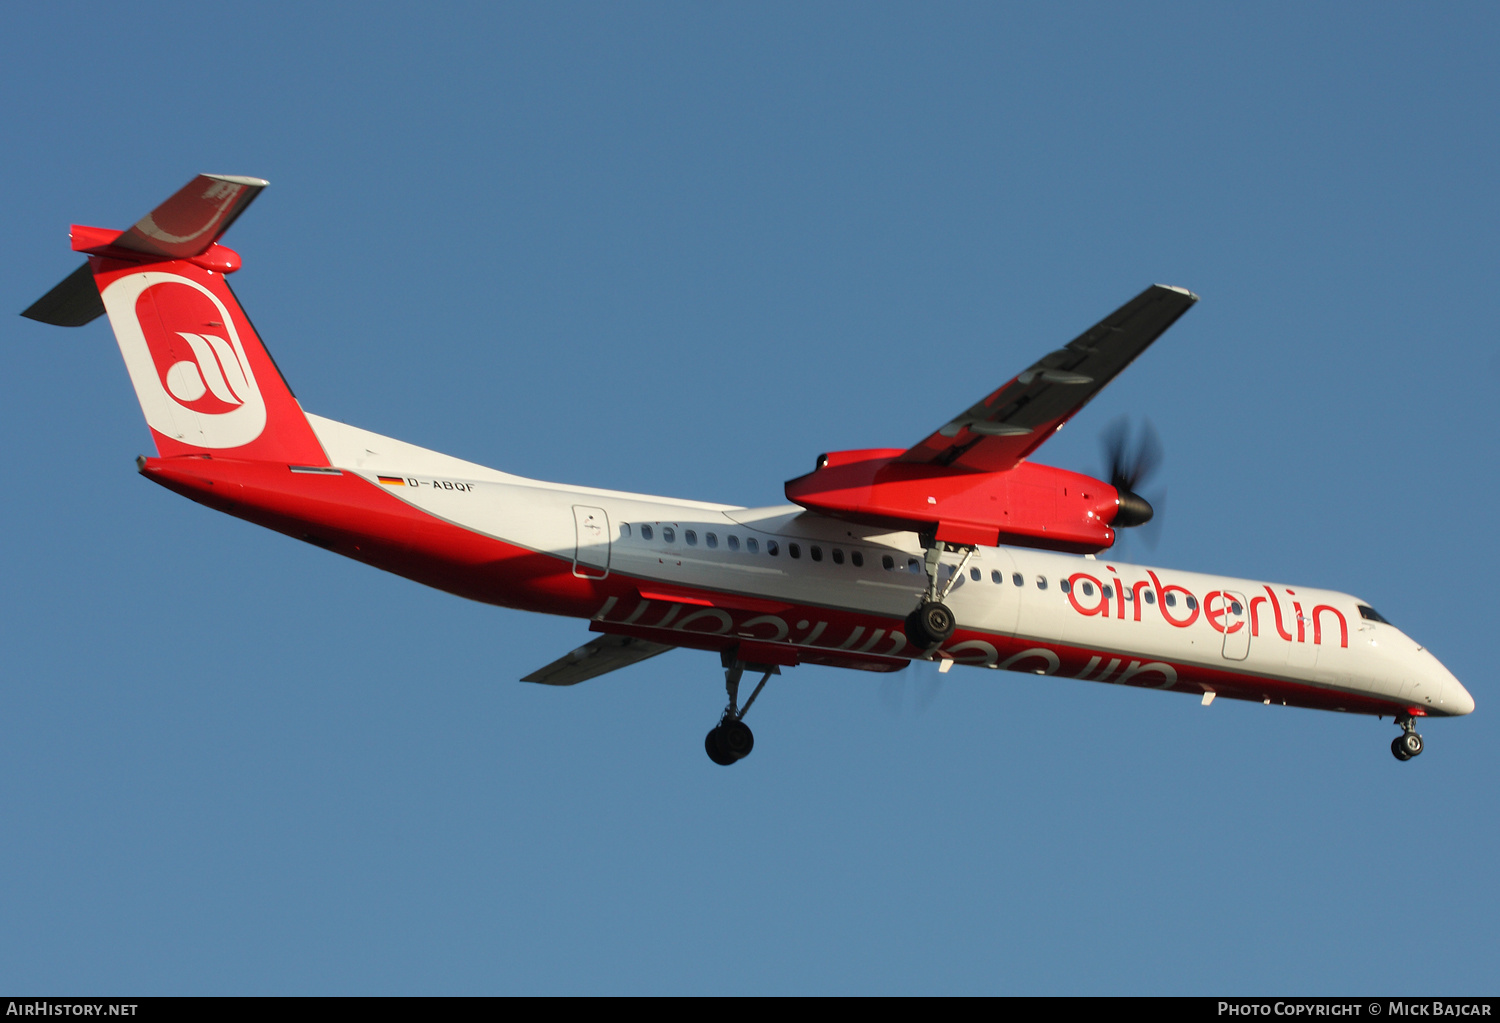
(213, 367)
(186, 360)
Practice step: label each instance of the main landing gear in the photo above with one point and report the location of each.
(1408, 744)
(731, 740)
(932, 622)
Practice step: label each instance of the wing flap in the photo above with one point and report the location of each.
(595, 658)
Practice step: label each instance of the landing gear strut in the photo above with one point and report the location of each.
(731, 740)
(932, 622)
(1408, 744)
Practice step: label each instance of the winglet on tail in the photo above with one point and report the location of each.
(203, 377)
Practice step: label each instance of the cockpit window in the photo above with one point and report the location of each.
(1369, 614)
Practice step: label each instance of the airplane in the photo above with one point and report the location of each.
(956, 550)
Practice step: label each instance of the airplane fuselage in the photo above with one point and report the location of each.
(784, 585)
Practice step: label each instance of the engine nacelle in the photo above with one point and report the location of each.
(1028, 505)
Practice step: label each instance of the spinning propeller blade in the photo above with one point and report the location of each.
(1130, 461)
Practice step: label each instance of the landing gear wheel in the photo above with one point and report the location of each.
(731, 739)
(713, 745)
(1396, 748)
(736, 739)
(930, 624)
(1411, 743)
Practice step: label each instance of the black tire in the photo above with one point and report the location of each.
(1398, 749)
(915, 634)
(713, 745)
(1411, 742)
(930, 624)
(736, 739)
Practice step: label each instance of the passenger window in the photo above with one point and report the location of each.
(1192, 603)
(1171, 600)
(913, 566)
(645, 532)
(838, 556)
(1109, 593)
(857, 558)
(996, 577)
(668, 534)
(887, 562)
(624, 531)
(1041, 582)
(1017, 580)
(1088, 589)
(773, 548)
(1129, 595)
(1066, 586)
(794, 550)
(752, 545)
(691, 536)
(1151, 597)
(1234, 605)
(733, 541)
(817, 553)
(975, 574)
(711, 539)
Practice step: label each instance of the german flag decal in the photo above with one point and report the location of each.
(392, 481)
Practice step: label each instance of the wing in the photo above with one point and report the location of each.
(1005, 427)
(595, 658)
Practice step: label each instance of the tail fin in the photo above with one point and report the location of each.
(204, 379)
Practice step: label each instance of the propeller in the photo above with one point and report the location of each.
(1131, 461)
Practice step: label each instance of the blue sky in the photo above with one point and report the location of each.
(682, 250)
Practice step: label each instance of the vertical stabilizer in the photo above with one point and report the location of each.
(205, 381)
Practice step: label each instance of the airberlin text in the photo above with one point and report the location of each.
(1224, 611)
(841, 637)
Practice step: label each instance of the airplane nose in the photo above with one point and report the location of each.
(1456, 699)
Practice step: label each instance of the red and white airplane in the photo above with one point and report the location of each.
(956, 550)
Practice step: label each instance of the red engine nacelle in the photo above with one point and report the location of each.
(1028, 505)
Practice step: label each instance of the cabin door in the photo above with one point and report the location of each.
(1236, 626)
(591, 556)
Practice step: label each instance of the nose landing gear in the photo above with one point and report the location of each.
(731, 740)
(1408, 744)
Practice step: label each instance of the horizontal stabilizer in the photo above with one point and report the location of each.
(72, 303)
(593, 659)
(192, 220)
